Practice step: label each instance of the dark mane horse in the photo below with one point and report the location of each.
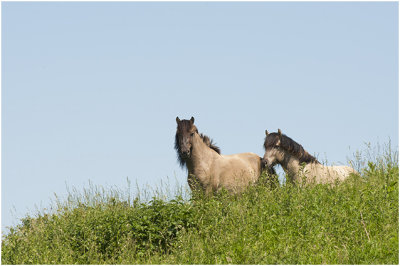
(208, 169)
(297, 163)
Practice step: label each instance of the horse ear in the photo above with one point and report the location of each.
(266, 133)
(178, 120)
(280, 137)
(192, 119)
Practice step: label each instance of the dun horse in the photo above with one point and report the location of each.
(298, 163)
(208, 170)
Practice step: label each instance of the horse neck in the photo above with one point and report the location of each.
(290, 163)
(201, 155)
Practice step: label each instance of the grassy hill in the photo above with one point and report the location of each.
(355, 222)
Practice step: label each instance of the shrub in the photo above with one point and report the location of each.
(354, 222)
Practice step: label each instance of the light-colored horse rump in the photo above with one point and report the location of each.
(236, 171)
(321, 174)
(297, 163)
(208, 170)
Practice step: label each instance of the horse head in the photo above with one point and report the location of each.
(184, 137)
(272, 148)
(278, 145)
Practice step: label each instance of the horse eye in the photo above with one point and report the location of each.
(191, 134)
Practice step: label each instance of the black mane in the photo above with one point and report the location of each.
(209, 142)
(184, 126)
(289, 145)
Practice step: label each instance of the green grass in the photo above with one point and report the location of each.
(355, 222)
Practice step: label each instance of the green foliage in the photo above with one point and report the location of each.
(97, 234)
(355, 222)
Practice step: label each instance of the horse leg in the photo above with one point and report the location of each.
(194, 183)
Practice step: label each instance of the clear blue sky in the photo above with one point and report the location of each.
(90, 91)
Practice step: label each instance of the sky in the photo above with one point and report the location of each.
(91, 90)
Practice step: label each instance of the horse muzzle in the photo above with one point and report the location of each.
(185, 154)
(265, 164)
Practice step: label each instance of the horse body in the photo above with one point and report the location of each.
(208, 170)
(326, 174)
(298, 164)
(238, 170)
(317, 173)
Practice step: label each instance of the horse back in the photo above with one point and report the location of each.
(247, 158)
(327, 174)
(243, 162)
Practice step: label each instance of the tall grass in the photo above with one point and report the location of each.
(355, 222)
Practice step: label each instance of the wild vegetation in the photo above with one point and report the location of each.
(354, 222)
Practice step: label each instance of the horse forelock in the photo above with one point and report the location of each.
(271, 140)
(289, 145)
(184, 126)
